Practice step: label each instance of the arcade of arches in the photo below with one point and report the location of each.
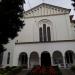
(46, 60)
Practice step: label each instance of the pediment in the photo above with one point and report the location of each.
(46, 9)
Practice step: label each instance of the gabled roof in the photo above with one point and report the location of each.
(47, 7)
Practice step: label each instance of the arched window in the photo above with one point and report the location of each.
(8, 58)
(44, 33)
(40, 34)
(48, 34)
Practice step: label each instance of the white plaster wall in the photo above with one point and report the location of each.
(73, 30)
(9, 48)
(61, 28)
(41, 47)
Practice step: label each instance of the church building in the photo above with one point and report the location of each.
(48, 38)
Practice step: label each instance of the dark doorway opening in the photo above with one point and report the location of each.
(45, 59)
(69, 57)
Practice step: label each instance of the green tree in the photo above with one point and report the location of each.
(11, 12)
(73, 4)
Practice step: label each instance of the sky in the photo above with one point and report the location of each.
(62, 3)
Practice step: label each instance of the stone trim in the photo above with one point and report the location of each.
(18, 43)
(48, 5)
(45, 15)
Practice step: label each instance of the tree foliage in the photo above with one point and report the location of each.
(11, 12)
(73, 4)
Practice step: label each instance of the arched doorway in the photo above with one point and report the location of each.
(57, 58)
(45, 59)
(23, 59)
(34, 59)
(69, 58)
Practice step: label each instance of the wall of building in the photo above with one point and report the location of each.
(9, 49)
(61, 28)
(41, 47)
(73, 30)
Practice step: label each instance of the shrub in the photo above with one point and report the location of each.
(13, 67)
(7, 68)
(42, 70)
(10, 70)
(9, 73)
(51, 71)
(58, 70)
(2, 71)
(1, 74)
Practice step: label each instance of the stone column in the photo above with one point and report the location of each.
(28, 62)
(40, 60)
(64, 62)
(52, 61)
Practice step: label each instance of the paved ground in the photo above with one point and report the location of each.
(67, 72)
(64, 72)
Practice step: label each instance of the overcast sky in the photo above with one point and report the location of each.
(63, 3)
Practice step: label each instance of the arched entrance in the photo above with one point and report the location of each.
(34, 59)
(45, 59)
(69, 58)
(23, 59)
(57, 58)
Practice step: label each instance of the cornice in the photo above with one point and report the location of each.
(19, 43)
(45, 15)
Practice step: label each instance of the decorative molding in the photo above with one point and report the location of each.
(47, 5)
(45, 15)
(45, 9)
(19, 43)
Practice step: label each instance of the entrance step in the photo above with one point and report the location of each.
(67, 72)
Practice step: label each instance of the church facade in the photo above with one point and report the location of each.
(46, 39)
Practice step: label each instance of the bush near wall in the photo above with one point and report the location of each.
(42, 70)
(10, 70)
